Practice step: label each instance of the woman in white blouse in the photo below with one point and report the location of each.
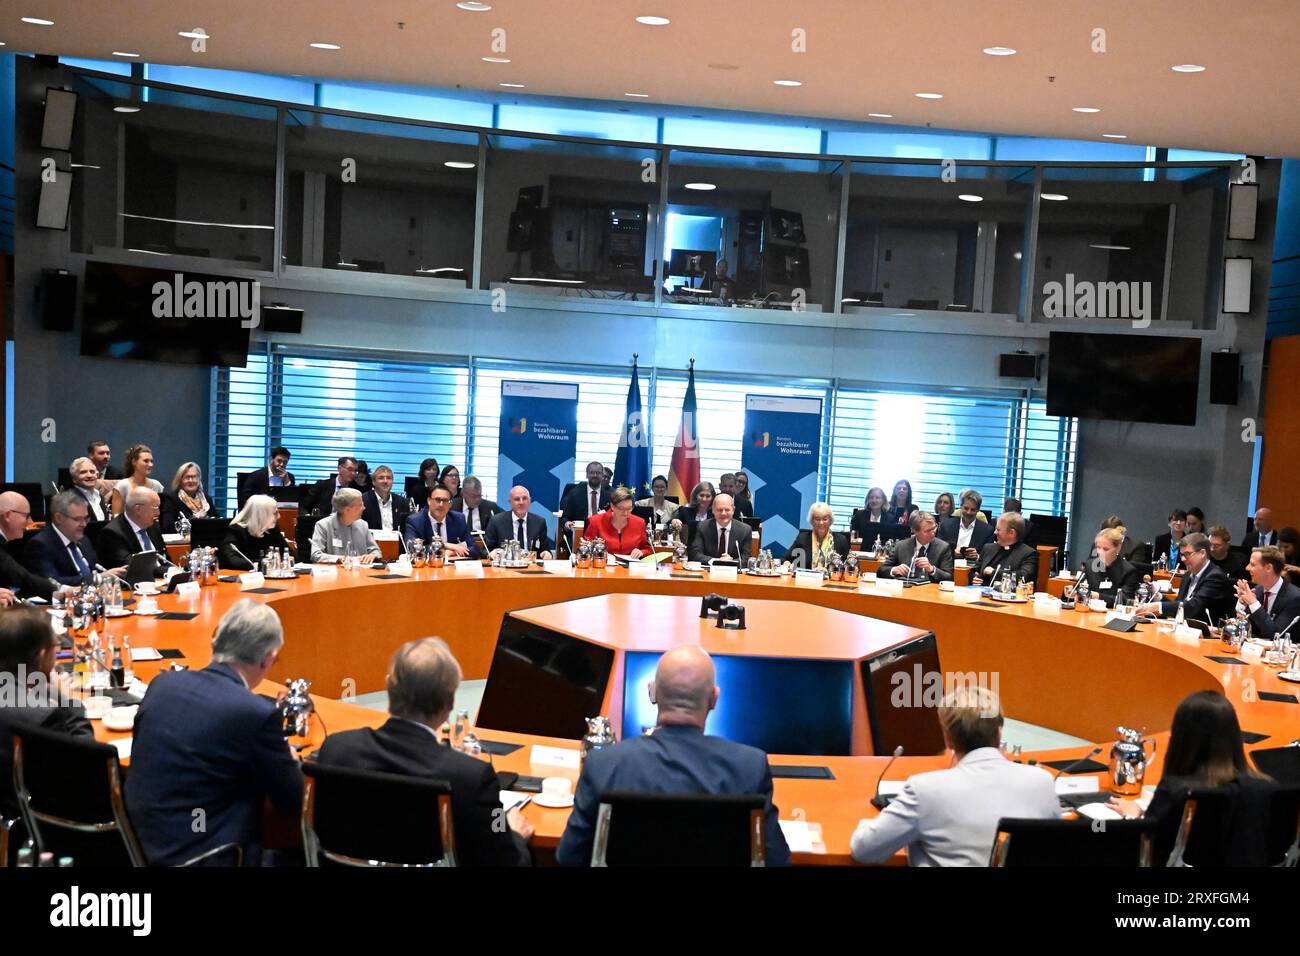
(139, 465)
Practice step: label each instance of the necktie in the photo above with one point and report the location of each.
(722, 543)
(1267, 595)
(921, 553)
(523, 540)
(438, 531)
(79, 561)
(145, 543)
(594, 502)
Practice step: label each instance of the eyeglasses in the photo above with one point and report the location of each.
(25, 514)
(441, 501)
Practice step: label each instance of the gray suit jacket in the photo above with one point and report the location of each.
(704, 543)
(950, 817)
(939, 554)
(333, 537)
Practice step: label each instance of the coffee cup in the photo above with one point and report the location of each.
(97, 706)
(947, 585)
(146, 587)
(146, 605)
(557, 789)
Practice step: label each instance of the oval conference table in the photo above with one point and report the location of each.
(1055, 669)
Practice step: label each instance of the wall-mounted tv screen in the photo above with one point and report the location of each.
(161, 315)
(1128, 378)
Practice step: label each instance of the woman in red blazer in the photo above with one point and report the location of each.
(622, 531)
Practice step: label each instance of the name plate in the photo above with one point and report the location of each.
(562, 568)
(1189, 634)
(402, 569)
(253, 579)
(188, 589)
(468, 569)
(724, 572)
(325, 570)
(639, 569)
(809, 579)
(890, 586)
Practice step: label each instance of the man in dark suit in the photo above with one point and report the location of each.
(1206, 594)
(1233, 562)
(473, 507)
(721, 535)
(101, 455)
(384, 510)
(964, 532)
(1007, 550)
(422, 682)
(27, 650)
(209, 749)
(17, 582)
(1274, 602)
(85, 481)
(1168, 543)
(585, 500)
(321, 495)
(1264, 533)
(134, 531)
(437, 520)
(922, 556)
(677, 758)
(275, 475)
(528, 529)
(61, 550)
(1013, 506)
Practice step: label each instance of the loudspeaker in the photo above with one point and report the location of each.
(1243, 198)
(60, 111)
(58, 297)
(1236, 284)
(282, 318)
(52, 209)
(1225, 377)
(1018, 365)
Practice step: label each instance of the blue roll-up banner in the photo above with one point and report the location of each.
(783, 439)
(538, 444)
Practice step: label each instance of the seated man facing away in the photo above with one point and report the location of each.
(422, 682)
(209, 750)
(950, 817)
(677, 758)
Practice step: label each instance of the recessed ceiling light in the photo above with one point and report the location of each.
(474, 7)
(458, 164)
(120, 53)
(970, 197)
(324, 46)
(999, 51)
(196, 34)
(654, 21)
(1087, 109)
(513, 86)
(1115, 135)
(1055, 197)
(496, 59)
(37, 21)
(882, 115)
(1103, 245)
(126, 109)
(639, 96)
(702, 187)
(930, 96)
(83, 166)
(1188, 68)
(788, 82)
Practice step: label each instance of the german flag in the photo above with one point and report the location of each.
(684, 472)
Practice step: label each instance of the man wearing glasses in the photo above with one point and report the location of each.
(15, 580)
(437, 519)
(61, 550)
(1206, 592)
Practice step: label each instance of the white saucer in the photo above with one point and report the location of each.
(150, 613)
(118, 612)
(121, 718)
(542, 801)
(1292, 677)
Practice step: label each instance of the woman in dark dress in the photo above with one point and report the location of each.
(699, 508)
(185, 498)
(900, 505)
(252, 533)
(874, 520)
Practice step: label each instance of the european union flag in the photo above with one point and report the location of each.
(632, 466)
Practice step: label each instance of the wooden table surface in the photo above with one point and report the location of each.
(1058, 670)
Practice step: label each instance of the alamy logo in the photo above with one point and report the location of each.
(209, 299)
(73, 909)
(1098, 300)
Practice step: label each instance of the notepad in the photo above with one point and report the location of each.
(145, 654)
(797, 835)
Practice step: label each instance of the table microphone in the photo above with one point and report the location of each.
(1078, 763)
(251, 563)
(878, 801)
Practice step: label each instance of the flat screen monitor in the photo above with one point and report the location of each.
(896, 684)
(787, 226)
(1129, 378)
(779, 705)
(124, 316)
(787, 266)
(692, 263)
(543, 682)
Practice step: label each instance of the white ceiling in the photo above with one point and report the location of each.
(862, 56)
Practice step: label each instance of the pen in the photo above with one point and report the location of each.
(522, 803)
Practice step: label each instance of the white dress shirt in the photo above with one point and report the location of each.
(471, 516)
(137, 531)
(964, 533)
(95, 502)
(385, 512)
(1255, 603)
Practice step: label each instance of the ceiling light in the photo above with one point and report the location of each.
(458, 164)
(120, 53)
(1087, 109)
(999, 51)
(930, 96)
(496, 59)
(637, 95)
(970, 197)
(83, 166)
(513, 86)
(1055, 197)
(196, 34)
(1188, 68)
(882, 115)
(126, 109)
(1115, 135)
(474, 7)
(654, 21)
(325, 46)
(702, 187)
(37, 21)
(1102, 245)
(788, 82)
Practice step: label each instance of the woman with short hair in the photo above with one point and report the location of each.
(252, 533)
(622, 531)
(814, 547)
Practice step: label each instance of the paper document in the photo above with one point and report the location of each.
(554, 757)
(510, 798)
(797, 835)
(145, 654)
(123, 747)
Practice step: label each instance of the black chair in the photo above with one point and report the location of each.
(33, 492)
(660, 829)
(1050, 843)
(93, 529)
(1280, 763)
(208, 532)
(302, 532)
(1234, 826)
(70, 794)
(364, 818)
(241, 494)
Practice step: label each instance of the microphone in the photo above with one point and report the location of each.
(251, 563)
(878, 801)
(1078, 763)
(103, 570)
(1083, 573)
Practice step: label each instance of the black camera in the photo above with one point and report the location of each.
(732, 616)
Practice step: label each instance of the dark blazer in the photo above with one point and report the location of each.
(112, 473)
(204, 741)
(172, 508)
(1214, 595)
(259, 483)
(800, 553)
(1252, 539)
(1234, 565)
(403, 747)
(1124, 579)
(240, 548)
(117, 542)
(744, 507)
(1161, 545)
(1022, 560)
(686, 515)
(401, 510)
(454, 530)
(939, 554)
(980, 535)
(67, 718)
(46, 556)
(674, 759)
(1246, 837)
(320, 496)
(867, 530)
(486, 511)
(1131, 549)
(1281, 612)
(502, 527)
(704, 543)
(574, 505)
(22, 582)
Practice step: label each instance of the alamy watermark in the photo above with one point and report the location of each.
(1083, 299)
(209, 299)
(921, 688)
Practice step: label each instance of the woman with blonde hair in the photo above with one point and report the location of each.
(814, 548)
(622, 531)
(1109, 576)
(252, 533)
(186, 498)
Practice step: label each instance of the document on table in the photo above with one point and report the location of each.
(123, 747)
(145, 654)
(511, 798)
(797, 835)
(554, 757)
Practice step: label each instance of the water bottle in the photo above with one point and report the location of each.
(349, 557)
(128, 673)
(878, 548)
(117, 670)
(459, 728)
(1162, 563)
(1179, 619)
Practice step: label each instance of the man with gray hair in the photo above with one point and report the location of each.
(86, 482)
(478, 511)
(61, 549)
(209, 750)
(677, 757)
(344, 532)
(134, 531)
(422, 682)
(922, 557)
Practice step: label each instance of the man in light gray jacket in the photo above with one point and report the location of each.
(343, 529)
(950, 817)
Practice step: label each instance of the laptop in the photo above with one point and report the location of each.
(142, 567)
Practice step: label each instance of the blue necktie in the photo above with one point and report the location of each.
(79, 561)
(144, 540)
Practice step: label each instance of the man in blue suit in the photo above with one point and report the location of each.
(61, 550)
(677, 758)
(964, 531)
(208, 750)
(437, 519)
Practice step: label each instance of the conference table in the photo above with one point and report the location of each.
(1058, 669)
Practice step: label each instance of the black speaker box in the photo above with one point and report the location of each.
(1225, 377)
(58, 303)
(1018, 365)
(281, 318)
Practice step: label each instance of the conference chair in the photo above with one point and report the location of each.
(70, 794)
(366, 818)
(208, 532)
(1280, 763)
(1050, 843)
(302, 532)
(1229, 826)
(241, 493)
(662, 829)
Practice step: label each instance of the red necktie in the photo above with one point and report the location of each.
(594, 502)
(1267, 595)
(722, 543)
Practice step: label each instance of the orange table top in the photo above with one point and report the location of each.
(1060, 669)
